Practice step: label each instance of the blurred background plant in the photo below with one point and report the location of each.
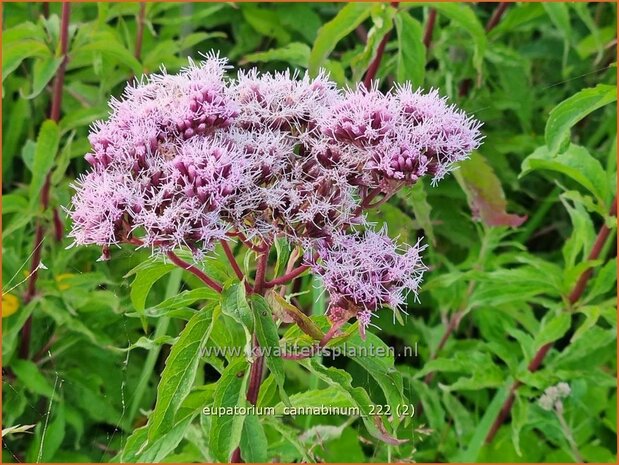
(520, 295)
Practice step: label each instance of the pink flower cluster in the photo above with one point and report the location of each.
(185, 159)
(362, 272)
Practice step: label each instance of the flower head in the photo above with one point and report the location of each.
(361, 117)
(362, 272)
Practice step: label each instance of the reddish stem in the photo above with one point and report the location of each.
(452, 325)
(286, 278)
(56, 104)
(232, 260)
(427, 34)
(496, 16)
(58, 226)
(255, 375)
(574, 296)
(261, 269)
(373, 68)
(195, 271)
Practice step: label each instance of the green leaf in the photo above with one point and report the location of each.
(266, 332)
(44, 155)
(465, 17)
(179, 373)
(28, 373)
(580, 240)
(569, 112)
(254, 443)
(476, 442)
(295, 53)
(265, 22)
(108, 47)
(145, 277)
(575, 162)
(174, 282)
(340, 379)
(484, 192)
(520, 416)
(43, 71)
(188, 297)
(317, 397)
(380, 366)
(14, 53)
(48, 438)
(346, 20)
(382, 24)
(139, 449)
(226, 430)
(553, 328)
(20, 111)
(234, 304)
(411, 57)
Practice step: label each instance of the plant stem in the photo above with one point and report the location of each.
(232, 260)
(375, 64)
(573, 297)
(569, 436)
(195, 270)
(496, 16)
(261, 269)
(286, 278)
(139, 34)
(427, 34)
(373, 68)
(24, 349)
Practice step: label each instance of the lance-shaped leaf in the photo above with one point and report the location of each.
(179, 373)
(226, 430)
(266, 332)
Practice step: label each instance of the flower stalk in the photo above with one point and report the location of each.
(55, 111)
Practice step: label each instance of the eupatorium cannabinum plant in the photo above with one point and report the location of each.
(190, 160)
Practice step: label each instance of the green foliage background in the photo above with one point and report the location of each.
(542, 81)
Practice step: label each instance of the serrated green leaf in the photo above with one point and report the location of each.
(226, 430)
(553, 328)
(179, 373)
(575, 162)
(569, 112)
